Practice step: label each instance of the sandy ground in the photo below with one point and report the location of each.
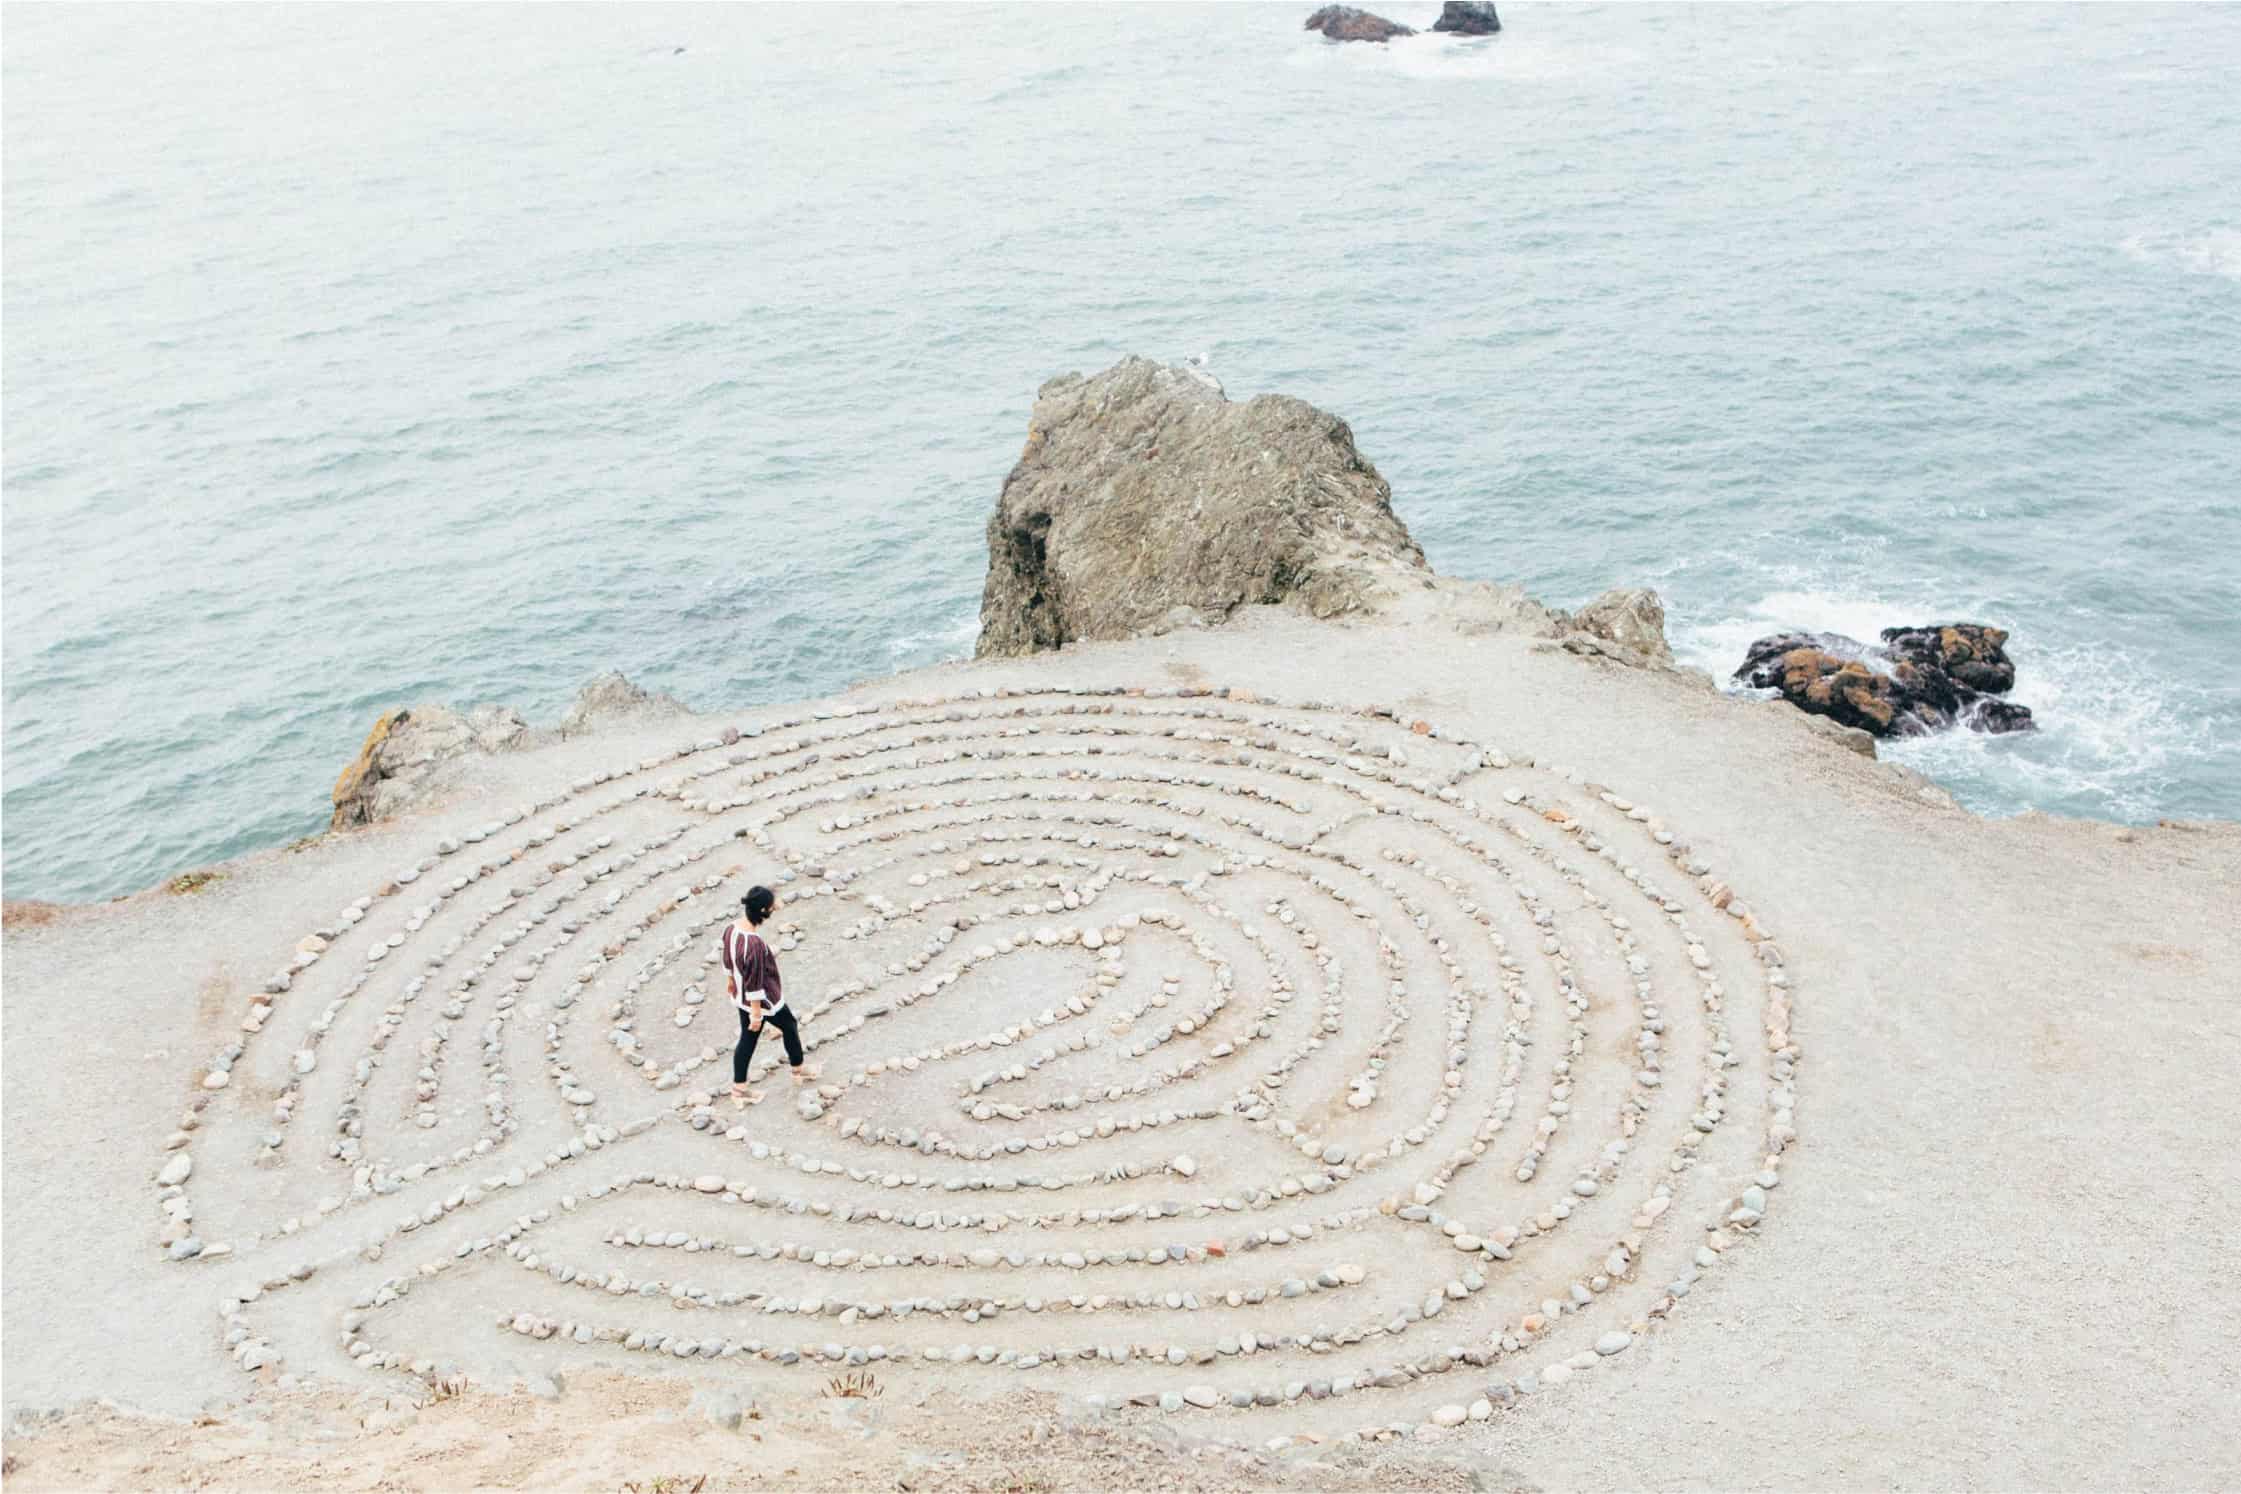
(642, 1436)
(1998, 1256)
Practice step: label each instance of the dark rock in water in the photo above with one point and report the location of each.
(1345, 23)
(1824, 681)
(1998, 717)
(1923, 680)
(1468, 18)
(1974, 655)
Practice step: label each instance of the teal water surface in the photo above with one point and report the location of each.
(360, 355)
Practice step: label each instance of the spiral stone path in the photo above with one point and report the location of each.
(1179, 1049)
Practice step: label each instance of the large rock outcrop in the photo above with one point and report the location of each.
(405, 749)
(1468, 18)
(1146, 499)
(1345, 23)
(1918, 682)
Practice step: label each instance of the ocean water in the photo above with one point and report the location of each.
(360, 355)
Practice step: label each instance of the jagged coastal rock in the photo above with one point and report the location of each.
(1629, 618)
(1974, 655)
(1468, 18)
(408, 754)
(1146, 500)
(405, 748)
(1345, 23)
(611, 697)
(1923, 679)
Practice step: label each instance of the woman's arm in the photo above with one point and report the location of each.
(723, 958)
(762, 970)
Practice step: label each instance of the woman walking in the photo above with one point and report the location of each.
(752, 972)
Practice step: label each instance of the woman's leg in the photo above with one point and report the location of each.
(790, 1030)
(745, 1051)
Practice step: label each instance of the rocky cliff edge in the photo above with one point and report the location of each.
(1147, 500)
(413, 752)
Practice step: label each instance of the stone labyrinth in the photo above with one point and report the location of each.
(1179, 1049)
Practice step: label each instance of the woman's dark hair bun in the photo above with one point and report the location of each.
(758, 903)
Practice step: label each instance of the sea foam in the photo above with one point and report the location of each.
(2211, 251)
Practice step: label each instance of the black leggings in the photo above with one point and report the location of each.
(788, 1028)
